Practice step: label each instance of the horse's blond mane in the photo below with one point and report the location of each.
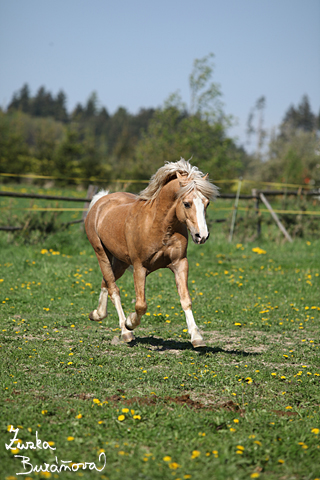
(195, 179)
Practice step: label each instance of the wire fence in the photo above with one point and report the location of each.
(274, 189)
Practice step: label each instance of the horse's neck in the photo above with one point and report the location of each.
(166, 205)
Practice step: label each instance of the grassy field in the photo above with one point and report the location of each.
(245, 407)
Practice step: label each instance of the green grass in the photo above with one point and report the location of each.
(245, 407)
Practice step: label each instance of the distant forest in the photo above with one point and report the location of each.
(38, 135)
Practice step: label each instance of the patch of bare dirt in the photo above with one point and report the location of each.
(282, 413)
(183, 400)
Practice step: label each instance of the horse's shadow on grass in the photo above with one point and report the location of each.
(161, 345)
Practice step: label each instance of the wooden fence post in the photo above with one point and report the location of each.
(235, 208)
(255, 195)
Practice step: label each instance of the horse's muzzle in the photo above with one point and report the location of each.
(200, 240)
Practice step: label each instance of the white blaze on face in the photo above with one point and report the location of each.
(201, 219)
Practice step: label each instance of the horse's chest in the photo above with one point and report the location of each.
(165, 255)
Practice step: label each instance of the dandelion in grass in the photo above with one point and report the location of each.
(315, 431)
(121, 418)
(167, 458)
(70, 438)
(195, 454)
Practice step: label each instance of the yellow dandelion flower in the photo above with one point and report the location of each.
(315, 431)
(255, 475)
(125, 410)
(136, 417)
(167, 458)
(174, 465)
(195, 454)
(121, 418)
(70, 439)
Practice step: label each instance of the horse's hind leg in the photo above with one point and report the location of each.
(101, 311)
(111, 269)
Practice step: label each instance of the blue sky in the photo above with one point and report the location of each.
(134, 53)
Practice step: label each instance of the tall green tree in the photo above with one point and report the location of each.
(200, 133)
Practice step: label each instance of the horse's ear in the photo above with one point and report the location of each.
(206, 176)
(181, 178)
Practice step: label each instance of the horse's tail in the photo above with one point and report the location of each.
(96, 197)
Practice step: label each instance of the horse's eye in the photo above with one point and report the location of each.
(186, 204)
(208, 205)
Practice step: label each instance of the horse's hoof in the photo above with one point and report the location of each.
(128, 327)
(128, 337)
(198, 343)
(94, 317)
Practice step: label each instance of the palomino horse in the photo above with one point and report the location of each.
(149, 231)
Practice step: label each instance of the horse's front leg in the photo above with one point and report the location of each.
(180, 270)
(139, 277)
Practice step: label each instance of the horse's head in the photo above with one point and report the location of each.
(191, 209)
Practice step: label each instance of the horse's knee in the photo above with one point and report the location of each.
(186, 304)
(141, 307)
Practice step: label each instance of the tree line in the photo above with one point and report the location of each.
(38, 135)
